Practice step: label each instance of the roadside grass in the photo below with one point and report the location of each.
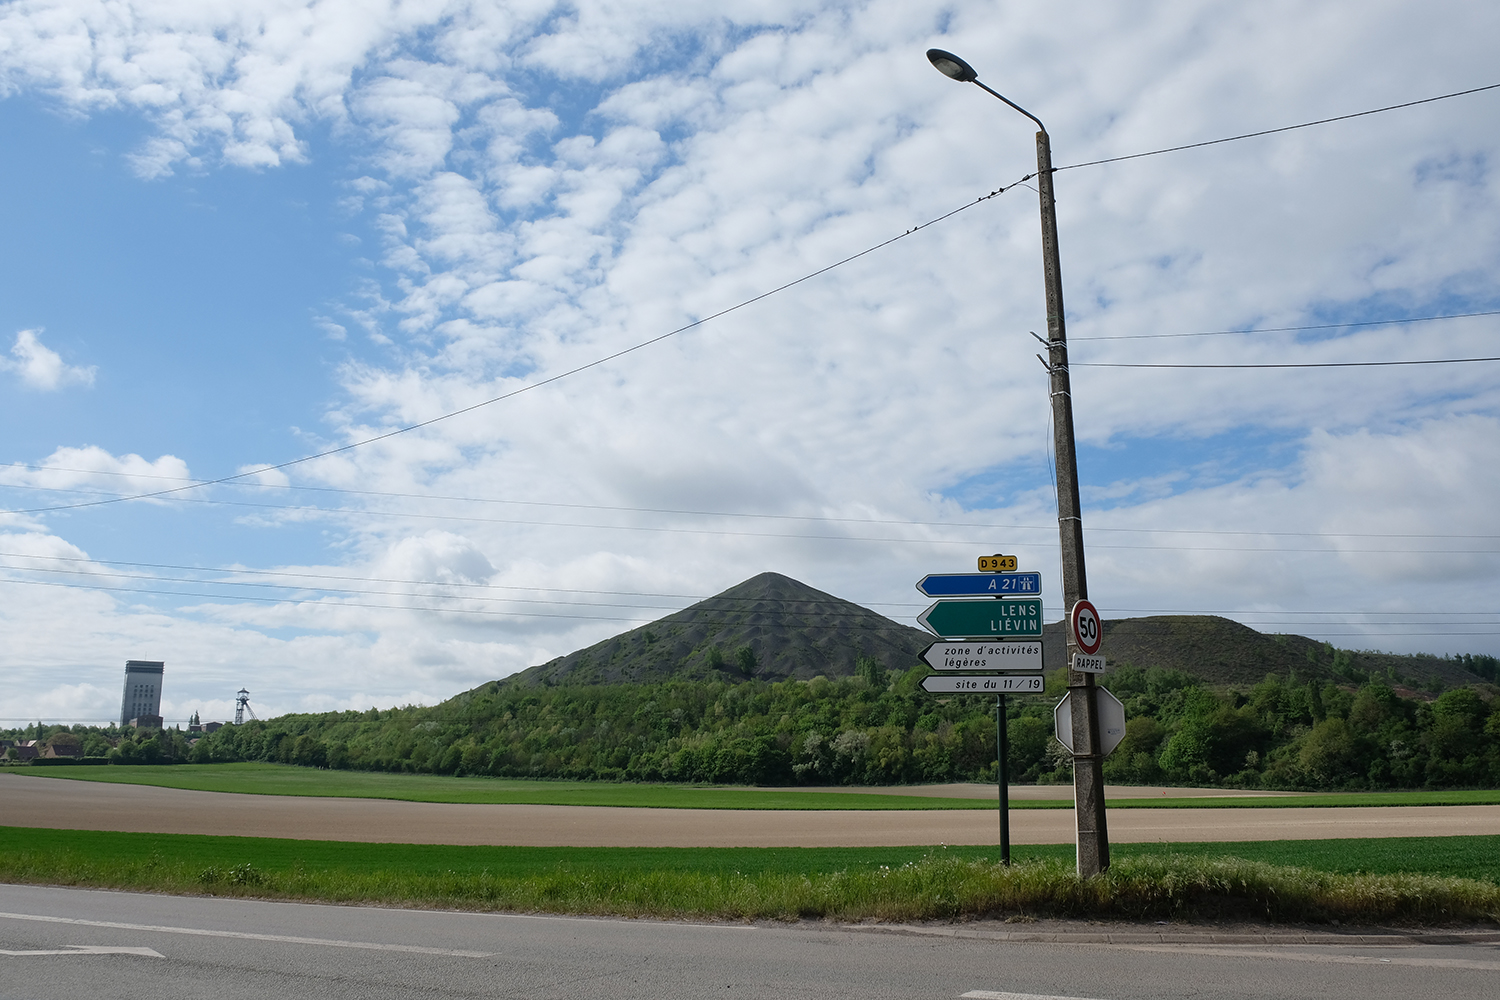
(1353, 881)
(285, 779)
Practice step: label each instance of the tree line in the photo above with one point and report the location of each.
(879, 727)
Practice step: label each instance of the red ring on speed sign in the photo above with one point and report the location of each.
(1088, 630)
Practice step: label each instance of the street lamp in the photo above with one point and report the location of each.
(1088, 763)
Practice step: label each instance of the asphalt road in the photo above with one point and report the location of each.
(71, 943)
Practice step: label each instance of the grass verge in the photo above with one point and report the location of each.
(1199, 881)
(283, 779)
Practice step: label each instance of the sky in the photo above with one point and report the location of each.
(257, 232)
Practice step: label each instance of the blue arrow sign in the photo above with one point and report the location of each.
(980, 584)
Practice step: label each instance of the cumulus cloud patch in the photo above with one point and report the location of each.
(40, 367)
(95, 468)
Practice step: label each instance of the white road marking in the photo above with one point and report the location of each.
(244, 936)
(992, 995)
(1303, 956)
(88, 949)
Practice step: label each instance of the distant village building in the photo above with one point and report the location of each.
(204, 728)
(141, 704)
(59, 749)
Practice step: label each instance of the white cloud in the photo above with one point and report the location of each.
(41, 367)
(95, 468)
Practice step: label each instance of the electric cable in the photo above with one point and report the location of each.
(1465, 628)
(800, 602)
(548, 380)
(976, 525)
(1274, 131)
(1290, 364)
(1293, 329)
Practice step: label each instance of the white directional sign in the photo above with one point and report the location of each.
(983, 684)
(1111, 721)
(1020, 656)
(1086, 664)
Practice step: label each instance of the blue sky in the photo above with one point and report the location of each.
(249, 233)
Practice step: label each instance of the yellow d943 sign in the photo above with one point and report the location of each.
(997, 564)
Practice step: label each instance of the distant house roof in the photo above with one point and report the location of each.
(27, 750)
(63, 751)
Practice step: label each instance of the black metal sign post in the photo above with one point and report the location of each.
(1002, 775)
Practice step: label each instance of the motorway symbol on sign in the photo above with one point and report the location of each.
(983, 684)
(997, 564)
(1111, 720)
(1025, 655)
(1088, 631)
(1086, 664)
(980, 584)
(1008, 618)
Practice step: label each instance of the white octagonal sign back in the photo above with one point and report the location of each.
(1111, 720)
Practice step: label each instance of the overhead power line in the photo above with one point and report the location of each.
(814, 518)
(550, 379)
(1456, 629)
(838, 607)
(1284, 128)
(1293, 329)
(301, 587)
(1306, 364)
(913, 539)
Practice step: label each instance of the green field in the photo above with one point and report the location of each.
(1459, 857)
(283, 779)
(1428, 880)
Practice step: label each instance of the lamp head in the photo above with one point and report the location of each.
(951, 66)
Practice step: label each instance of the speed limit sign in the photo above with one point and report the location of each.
(1088, 631)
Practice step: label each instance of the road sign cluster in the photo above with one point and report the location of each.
(997, 644)
(990, 630)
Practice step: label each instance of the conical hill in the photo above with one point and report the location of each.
(789, 629)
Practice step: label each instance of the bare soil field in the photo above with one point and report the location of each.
(87, 805)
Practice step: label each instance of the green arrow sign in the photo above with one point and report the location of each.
(1013, 619)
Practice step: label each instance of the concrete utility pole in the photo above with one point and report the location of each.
(1088, 762)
